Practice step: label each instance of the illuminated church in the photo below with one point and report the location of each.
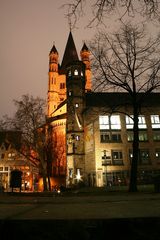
(92, 143)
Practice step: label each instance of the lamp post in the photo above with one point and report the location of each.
(105, 164)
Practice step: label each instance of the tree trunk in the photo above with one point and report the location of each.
(134, 163)
(44, 176)
(49, 183)
(45, 188)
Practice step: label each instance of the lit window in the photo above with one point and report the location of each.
(142, 136)
(110, 137)
(110, 122)
(104, 122)
(77, 105)
(156, 135)
(76, 72)
(77, 138)
(115, 122)
(117, 157)
(157, 155)
(155, 121)
(69, 74)
(81, 73)
(142, 122)
(130, 122)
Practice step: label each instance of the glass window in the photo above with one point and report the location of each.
(142, 136)
(110, 137)
(104, 122)
(155, 121)
(144, 157)
(76, 72)
(142, 122)
(156, 135)
(130, 122)
(117, 157)
(62, 85)
(110, 122)
(115, 122)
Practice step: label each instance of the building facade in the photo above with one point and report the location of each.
(11, 159)
(92, 142)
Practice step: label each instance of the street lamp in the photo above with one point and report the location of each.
(105, 162)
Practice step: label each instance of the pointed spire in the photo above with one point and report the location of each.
(84, 48)
(70, 53)
(54, 50)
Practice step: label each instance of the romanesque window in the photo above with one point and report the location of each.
(62, 85)
(75, 72)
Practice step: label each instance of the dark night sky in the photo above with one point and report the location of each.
(28, 29)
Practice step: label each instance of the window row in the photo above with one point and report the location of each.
(114, 136)
(115, 157)
(113, 122)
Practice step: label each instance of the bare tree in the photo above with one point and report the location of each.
(100, 9)
(30, 119)
(128, 61)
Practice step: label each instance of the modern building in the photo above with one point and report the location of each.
(93, 131)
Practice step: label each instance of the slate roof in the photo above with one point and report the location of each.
(54, 50)
(70, 53)
(111, 99)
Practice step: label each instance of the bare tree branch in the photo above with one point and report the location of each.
(100, 9)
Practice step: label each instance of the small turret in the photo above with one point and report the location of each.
(85, 53)
(53, 60)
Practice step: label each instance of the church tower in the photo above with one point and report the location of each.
(67, 86)
(75, 80)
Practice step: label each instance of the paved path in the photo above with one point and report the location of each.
(110, 206)
(113, 216)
